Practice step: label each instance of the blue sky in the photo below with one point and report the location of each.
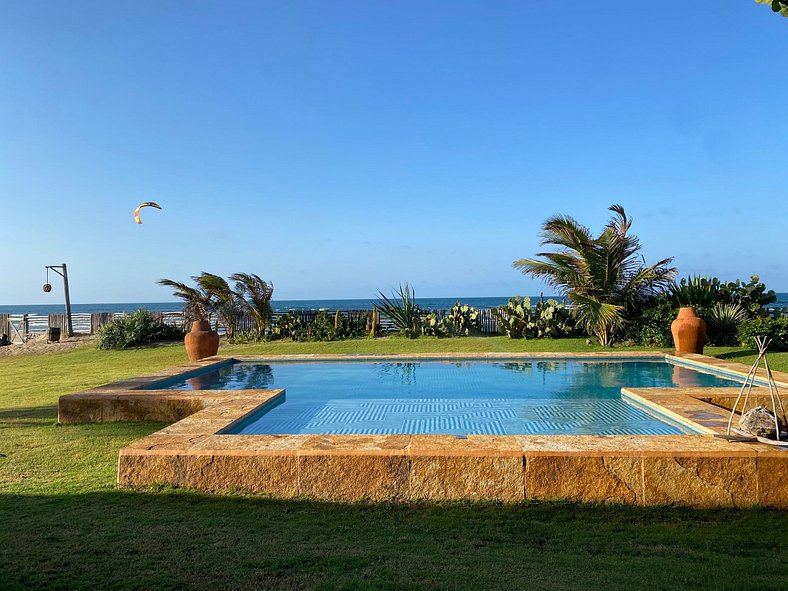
(338, 148)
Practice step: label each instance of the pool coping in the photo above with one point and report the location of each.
(193, 452)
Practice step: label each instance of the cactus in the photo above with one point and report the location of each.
(514, 317)
(460, 320)
(337, 321)
(374, 322)
(431, 326)
(551, 319)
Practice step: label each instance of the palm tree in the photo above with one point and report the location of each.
(255, 295)
(224, 301)
(604, 277)
(196, 303)
(212, 294)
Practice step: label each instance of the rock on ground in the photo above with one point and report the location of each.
(759, 421)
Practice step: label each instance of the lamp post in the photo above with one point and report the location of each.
(63, 272)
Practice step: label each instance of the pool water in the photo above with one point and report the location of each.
(545, 397)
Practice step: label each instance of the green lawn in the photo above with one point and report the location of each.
(63, 525)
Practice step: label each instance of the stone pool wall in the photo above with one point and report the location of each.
(193, 452)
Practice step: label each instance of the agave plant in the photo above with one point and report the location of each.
(723, 322)
(402, 310)
(695, 291)
(602, 276)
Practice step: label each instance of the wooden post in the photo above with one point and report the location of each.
(70, 331)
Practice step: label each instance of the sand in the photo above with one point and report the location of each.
(38, 344)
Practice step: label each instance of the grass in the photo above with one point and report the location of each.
(63, 525)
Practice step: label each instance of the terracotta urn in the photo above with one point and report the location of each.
(201, 342)
(689, 331)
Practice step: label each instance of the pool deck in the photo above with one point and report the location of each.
(192, 452)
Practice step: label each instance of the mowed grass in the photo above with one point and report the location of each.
(63, 525)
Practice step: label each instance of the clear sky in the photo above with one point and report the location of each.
(338, 148)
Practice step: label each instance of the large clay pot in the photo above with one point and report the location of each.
(201, 342)
(689, 331)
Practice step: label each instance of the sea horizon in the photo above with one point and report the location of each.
(283, 305)
(278, 305)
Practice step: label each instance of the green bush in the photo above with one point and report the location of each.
(775, 329)
(136, 329)
(651, 327)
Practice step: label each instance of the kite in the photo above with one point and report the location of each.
(146, 204)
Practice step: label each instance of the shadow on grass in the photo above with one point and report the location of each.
(737, 354)
(176, 540)
(10, 416)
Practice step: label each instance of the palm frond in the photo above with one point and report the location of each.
(598, 318)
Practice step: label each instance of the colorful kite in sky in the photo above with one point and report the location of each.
(146, 204)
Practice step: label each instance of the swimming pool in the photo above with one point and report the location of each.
(457, 397)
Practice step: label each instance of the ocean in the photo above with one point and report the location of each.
(279, 305)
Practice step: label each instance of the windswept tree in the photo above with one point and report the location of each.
(212, 294)
(196, 302)
(603, 276)
(224, 301)
(255, 296)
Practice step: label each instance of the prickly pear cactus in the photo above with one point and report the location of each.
(461, 320)
(551, 319)
(514, 317)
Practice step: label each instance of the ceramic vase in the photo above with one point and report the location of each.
(201, 342)
(689, 331)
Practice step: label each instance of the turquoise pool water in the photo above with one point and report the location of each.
(459, 397)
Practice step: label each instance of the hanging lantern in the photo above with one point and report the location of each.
(47, 288)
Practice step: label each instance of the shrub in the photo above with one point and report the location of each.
(775, 329)
(651, 327)
(136, 329)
